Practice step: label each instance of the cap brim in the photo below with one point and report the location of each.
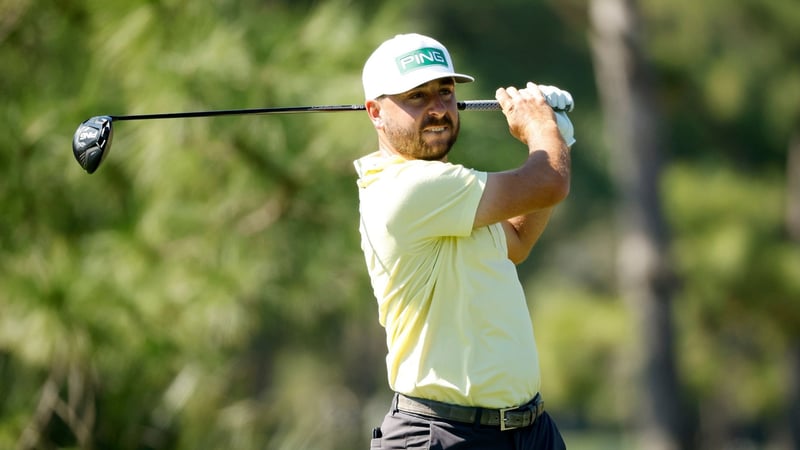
(412, 82)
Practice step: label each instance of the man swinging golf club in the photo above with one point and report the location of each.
(441, 242)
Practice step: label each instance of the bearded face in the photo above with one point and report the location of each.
(421, 123)
(430, 140)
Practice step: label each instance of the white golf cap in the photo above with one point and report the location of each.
(405, 62)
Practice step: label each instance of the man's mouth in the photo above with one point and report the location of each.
(433, 125)
(435, 129)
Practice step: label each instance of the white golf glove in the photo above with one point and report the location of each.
(565, 128)
(558, 99)
(562, 102)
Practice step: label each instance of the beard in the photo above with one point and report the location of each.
(411, 142)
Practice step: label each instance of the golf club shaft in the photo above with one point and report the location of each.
(469, 105)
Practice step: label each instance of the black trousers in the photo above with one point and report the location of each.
(402, 430)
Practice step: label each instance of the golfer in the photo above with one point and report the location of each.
(441, 242)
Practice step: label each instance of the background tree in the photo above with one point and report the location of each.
(646, 281)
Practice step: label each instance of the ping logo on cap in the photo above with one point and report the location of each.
(419, 58)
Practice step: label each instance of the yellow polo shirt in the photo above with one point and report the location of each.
(457, 325)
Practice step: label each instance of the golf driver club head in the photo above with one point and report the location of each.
(92, 142)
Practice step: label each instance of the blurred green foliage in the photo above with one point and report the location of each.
(205, 288)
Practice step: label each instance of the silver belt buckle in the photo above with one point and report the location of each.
(503, 412)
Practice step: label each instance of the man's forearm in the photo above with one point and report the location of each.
(522, 233)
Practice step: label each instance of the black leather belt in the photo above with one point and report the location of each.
(505, 418)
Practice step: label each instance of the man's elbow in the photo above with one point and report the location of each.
(557, 191)
(562, 189)
(519, 256)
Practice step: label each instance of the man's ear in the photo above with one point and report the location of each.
(374, 112)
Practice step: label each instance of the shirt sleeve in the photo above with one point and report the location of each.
(436, 199)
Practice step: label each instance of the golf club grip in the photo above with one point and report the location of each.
(479, 105)
(488, 105)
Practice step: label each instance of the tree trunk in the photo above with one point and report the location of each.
(645, 279)
(793, 188)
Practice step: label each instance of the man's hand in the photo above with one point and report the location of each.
(562, 102)
(523, 111)
(530, 117)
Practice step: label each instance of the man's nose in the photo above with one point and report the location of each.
(438, 107)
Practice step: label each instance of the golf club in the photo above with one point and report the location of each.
(92, 140)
